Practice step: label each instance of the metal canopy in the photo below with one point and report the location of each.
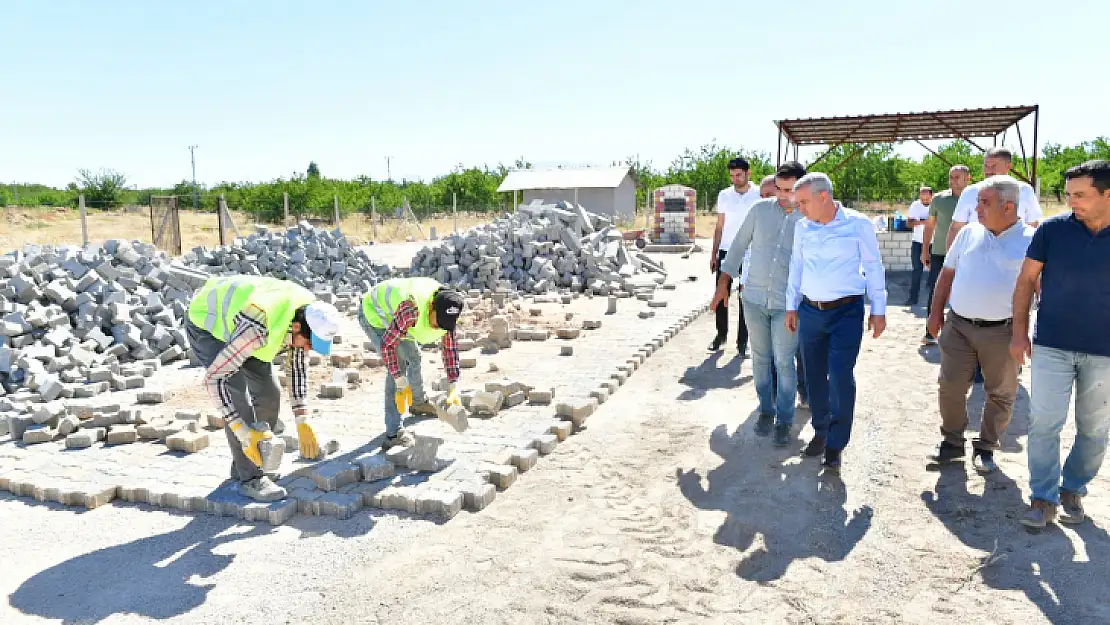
(897, 127)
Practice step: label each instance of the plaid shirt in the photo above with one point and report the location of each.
(250, 335)
(404, 318)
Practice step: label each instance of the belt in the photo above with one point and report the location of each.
(983, 323)
(836, 303)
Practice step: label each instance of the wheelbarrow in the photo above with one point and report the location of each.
(635, 237)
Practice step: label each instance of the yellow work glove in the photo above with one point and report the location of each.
(310, 448)
(453, 395)
(402, 398)
(249, 438)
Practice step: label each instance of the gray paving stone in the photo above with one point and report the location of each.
(329, 476)
(374, 467)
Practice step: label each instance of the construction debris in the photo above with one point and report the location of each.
(541, 248)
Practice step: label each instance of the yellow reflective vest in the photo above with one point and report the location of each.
(215, 305)
(380, 304)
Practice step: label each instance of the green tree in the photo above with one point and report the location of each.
(102, 189)
(313, 170)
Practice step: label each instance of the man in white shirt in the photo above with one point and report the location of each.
(918, 215)
(733, 204)
(834, 262)
(997, 162)
(980, 272)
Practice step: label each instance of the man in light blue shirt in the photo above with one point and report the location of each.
(835, 261)
(768, 231)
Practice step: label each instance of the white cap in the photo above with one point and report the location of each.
(323, 321)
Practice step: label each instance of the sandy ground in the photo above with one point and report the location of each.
(666, 509)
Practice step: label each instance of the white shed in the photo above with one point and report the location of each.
(603, 190)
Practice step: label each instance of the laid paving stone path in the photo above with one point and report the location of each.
(184, 462)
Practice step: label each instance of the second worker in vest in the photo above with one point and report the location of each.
(236, 327)
(398, 316)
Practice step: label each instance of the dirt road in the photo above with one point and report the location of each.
(667, 509)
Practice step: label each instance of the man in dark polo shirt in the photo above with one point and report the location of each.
(936, 233)
(1070, 255)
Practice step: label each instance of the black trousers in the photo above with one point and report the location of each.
(722, 309)
(936, 263)
(915, 277)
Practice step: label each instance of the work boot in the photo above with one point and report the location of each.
(715, 346)
(983, 461)
(403, 438)
(262, 489)
(816, 447)
(1071, 504)
(235, 474)
(1039, 515)
(763, 424)
(947, 452)
(782, 435)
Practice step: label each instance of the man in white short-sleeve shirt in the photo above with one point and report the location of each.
(980, 273)
(733, 204)
(917, 215)
(997, 162)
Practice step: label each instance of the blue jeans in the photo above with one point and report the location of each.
(830, 342)
(1054, 373)
(408, 356)
(773, 348)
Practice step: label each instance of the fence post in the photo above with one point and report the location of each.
(220, 217)
(285, 203)
(373, 219)
(335, 205)
(84, 225)
(455, 210)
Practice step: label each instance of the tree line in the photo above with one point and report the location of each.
(859, 172)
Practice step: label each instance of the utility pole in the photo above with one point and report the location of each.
(388, 173)
(196, 198)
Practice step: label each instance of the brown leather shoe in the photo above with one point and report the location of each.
(1039, 515)
(1071, 506)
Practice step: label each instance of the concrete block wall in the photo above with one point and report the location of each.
(895, 248)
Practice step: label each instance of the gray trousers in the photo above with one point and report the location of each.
(254, 392)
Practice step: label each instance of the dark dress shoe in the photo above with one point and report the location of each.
(816, 447)
(763, 424)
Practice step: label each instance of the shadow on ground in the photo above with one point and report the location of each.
(780, 507)
(711, 375)
(151, 577)
(1042, 565)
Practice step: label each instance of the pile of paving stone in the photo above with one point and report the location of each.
(72, 317)
(541, 248)
(320, 260)
(77, 322)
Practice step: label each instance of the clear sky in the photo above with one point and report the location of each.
(264, 87)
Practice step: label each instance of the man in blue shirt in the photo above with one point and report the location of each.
(1070, 256)
(768, 235)
(835, 261)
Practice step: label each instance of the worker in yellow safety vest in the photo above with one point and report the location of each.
(236, 327)
(398, 316)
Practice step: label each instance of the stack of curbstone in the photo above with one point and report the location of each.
(542, 248)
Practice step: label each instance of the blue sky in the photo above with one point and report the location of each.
(264, 87)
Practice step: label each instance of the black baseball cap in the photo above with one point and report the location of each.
(739, 163)
(449, 305)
